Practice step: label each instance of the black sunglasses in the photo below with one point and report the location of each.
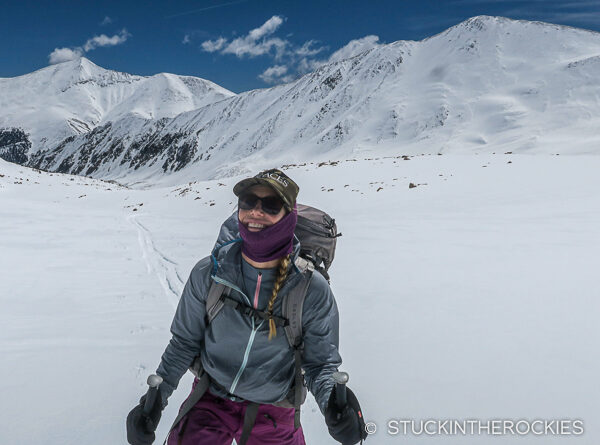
(269, 204)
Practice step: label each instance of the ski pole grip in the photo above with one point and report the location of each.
(153, 382)
(340, 378)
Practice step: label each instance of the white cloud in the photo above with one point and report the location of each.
(65, 54)
(255, 43)
(60, 55)
(242, 46)
(354, 47)
(306, 50)
(186, 39)
(351, 49)
(276, 74)
(210, 46)
(301, 61)
(307, 65)
(291, 59)
(276, 70)
(104, 40)
(107, 21)
(268, 28)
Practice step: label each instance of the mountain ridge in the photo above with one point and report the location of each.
(73, 97)
(486, 84)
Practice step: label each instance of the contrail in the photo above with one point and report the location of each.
(205, 9)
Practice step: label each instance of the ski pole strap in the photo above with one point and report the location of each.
(193, 398)
(249, 420)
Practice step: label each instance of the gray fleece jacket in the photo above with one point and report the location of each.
(234, 348)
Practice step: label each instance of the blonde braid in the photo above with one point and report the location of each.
(281, 276)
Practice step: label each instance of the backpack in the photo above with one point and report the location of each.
(317, 233)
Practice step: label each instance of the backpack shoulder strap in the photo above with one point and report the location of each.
(214, 303)
(292, 311)
(294, 301)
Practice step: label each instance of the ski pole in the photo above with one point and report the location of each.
(153, 382)
(340, 379)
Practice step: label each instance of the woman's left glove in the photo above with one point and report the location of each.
(141, 426)
(346, 425)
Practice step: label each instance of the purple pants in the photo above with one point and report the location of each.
(217, 421)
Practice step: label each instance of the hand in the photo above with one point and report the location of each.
(346, 425)
(141, 426)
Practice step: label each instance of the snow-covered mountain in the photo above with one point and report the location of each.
(487, 84)
(72, 98)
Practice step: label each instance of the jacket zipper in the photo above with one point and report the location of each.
(246, 356)
(257, 291)
(250, 340)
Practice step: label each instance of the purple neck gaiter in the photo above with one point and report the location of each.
(272, 242)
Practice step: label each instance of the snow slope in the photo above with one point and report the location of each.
(486, 85)
(472, 295)
(72, 98)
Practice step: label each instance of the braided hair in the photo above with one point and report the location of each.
(281, 276)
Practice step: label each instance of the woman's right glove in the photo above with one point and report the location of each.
(141, 426)
(346, 425)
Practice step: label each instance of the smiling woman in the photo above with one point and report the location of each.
(231, 329)
(261, 210)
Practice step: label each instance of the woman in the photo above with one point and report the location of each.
(247, 361)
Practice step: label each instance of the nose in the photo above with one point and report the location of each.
(257, 207)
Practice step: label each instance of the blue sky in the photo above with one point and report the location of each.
(239, 44)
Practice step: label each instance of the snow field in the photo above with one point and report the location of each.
(472, 295)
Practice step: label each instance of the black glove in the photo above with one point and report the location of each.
(141, 426)
(345, 425)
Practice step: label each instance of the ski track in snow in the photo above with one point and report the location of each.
(158, 263)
